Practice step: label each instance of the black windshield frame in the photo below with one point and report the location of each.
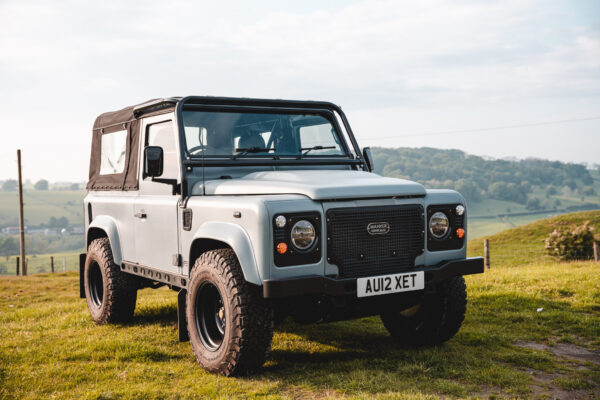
(248, 105)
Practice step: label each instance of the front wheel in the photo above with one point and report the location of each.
(111, 294)
(229, 323)
(434, 320)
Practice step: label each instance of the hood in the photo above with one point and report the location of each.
(316, 184)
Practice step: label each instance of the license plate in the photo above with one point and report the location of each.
(386, 284)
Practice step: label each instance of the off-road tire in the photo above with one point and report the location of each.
(437, 319)
(116, 302)
(248, 317)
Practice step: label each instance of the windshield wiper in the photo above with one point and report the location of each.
(307, 150)
(245, 151)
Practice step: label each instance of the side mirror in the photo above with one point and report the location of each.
(153, 161)
(368, 158)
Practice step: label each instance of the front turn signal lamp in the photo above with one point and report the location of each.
(281, 248)
(460, 232)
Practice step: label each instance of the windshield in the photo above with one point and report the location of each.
(260, 135)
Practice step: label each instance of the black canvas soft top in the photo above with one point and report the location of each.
(125, 119)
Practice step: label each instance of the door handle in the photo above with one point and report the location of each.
(140, 215)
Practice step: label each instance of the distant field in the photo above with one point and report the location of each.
(41, 263)
(532, 331)
(41, 205)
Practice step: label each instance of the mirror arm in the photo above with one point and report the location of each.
(172, 182)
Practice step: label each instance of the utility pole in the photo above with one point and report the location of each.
(21, 219)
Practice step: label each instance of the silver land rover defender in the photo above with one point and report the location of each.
(255, 210)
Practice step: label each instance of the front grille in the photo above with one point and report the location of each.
(358, 244)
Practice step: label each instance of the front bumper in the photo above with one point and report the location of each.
(315, 284)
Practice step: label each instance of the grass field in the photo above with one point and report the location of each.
(41, 205)
(532, 331)
(41, 263)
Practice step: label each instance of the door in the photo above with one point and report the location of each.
(156, 207)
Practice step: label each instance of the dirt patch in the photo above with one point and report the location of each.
(543, 387)
(566, 350)
(544, 384)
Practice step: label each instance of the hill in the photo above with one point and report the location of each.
(41, 205)
(531, 331)
(525, 244)
(500, 194)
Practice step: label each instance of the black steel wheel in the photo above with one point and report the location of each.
(96, 284)
(210, 316)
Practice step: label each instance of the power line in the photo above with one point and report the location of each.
(564, 121)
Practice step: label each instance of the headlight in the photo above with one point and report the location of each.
(460, 209)
(303, 235)
(439, 225)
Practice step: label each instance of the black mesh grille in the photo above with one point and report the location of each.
(358, 253)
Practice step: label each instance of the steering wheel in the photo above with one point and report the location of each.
(196, 148)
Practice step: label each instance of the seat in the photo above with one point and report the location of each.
(251, 139)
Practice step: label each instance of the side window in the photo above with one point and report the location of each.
(112, 152)
(163, 135)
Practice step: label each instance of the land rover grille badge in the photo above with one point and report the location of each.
(378, 228)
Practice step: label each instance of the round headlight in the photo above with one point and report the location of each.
(303, 235)
(439, 225)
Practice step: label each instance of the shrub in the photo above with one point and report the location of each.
(576, 244)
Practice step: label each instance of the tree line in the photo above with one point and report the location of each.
(478, 178)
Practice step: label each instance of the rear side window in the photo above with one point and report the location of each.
(112, 153)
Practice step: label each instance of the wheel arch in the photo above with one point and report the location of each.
(217, 235)
(105, 226)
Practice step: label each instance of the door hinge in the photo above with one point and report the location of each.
(177, 260)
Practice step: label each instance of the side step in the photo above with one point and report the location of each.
(152, 274)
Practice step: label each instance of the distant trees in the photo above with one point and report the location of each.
(508, 192)
(478, 178)
(42, 184)
(9, 246)
(10, 185)
(58, 223)
(533, 204)
(468, 189)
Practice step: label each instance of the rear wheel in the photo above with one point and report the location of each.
(436, 319)
(230, 324)
(111, 294)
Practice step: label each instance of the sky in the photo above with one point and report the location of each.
(445, 74)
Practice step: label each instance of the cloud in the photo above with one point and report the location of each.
(461, 63)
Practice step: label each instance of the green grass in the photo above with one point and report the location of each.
(41, 205)
(525, 244)
(50, 348)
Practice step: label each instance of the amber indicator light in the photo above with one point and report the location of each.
(281, 248)
(460, 232)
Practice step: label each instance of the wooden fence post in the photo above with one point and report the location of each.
(52, 264)
(596, 252)
(17, 259)
(486, 253)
